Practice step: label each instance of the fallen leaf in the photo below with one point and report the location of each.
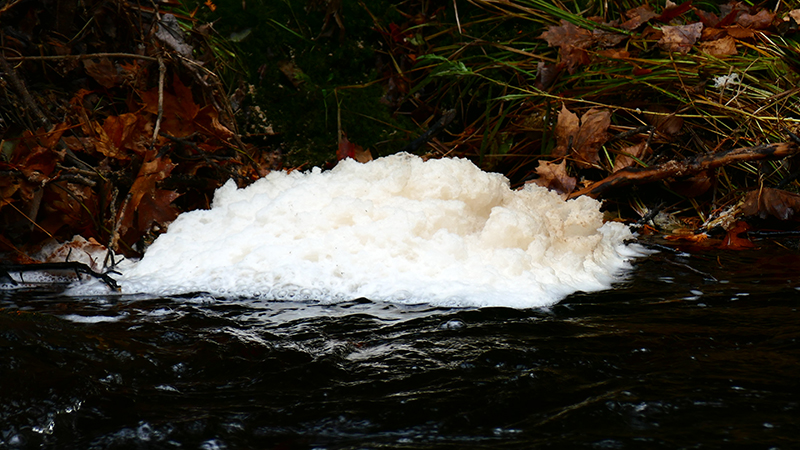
(554, 177)
(672, 10)
(625, 157)
(680, 38)
(572, 42)
(665, 123)
(546, 75)
(768, 202)
(760, 21)
(348, 149)
(566, 128)
(103, 71)
(709, 19)
(148, 203)
(179, 108)
(732, 241)
(115, 135)
(739, 32)
(591, 136)
(208, 120)
(637, 16)
(719, 48)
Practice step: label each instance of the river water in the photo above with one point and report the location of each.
(691, 350)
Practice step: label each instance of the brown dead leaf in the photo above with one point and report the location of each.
(208, 120)
(759, 21)
(348, 149)
(148, 203)
(709, 19)
(592, 134)
(581, 139)
(546, 75)
(554, 177)
(720, 48)
(625, 157)
(116, 135)
(292, 72)
(566, 129)
(767, 202)
(572, 42)
(667, 124)
(739, 32)
(637, 16)
(180, 109)
(680, 38)
(103, 71)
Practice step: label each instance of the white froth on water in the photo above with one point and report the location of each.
(395, 229)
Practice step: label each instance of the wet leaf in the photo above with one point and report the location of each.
(733, 239)
(680, 38)
(768, 202)
(554, 177)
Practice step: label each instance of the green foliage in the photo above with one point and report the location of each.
(335, 73)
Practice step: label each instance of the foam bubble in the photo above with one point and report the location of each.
(396, 229)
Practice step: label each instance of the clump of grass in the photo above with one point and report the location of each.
(489, 60)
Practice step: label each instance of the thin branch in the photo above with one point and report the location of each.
(689, 166)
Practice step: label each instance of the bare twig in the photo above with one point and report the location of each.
(79, 57)
(161, 72)
(689, 166)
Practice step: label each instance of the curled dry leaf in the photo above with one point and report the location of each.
(554, 177)
(680, 38)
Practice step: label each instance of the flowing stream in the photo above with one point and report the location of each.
(689, 351)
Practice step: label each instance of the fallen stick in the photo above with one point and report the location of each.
(689, 166)
(6, 269)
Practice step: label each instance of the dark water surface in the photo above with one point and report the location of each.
(693, 351)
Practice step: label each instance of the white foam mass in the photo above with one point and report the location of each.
(396, 229)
